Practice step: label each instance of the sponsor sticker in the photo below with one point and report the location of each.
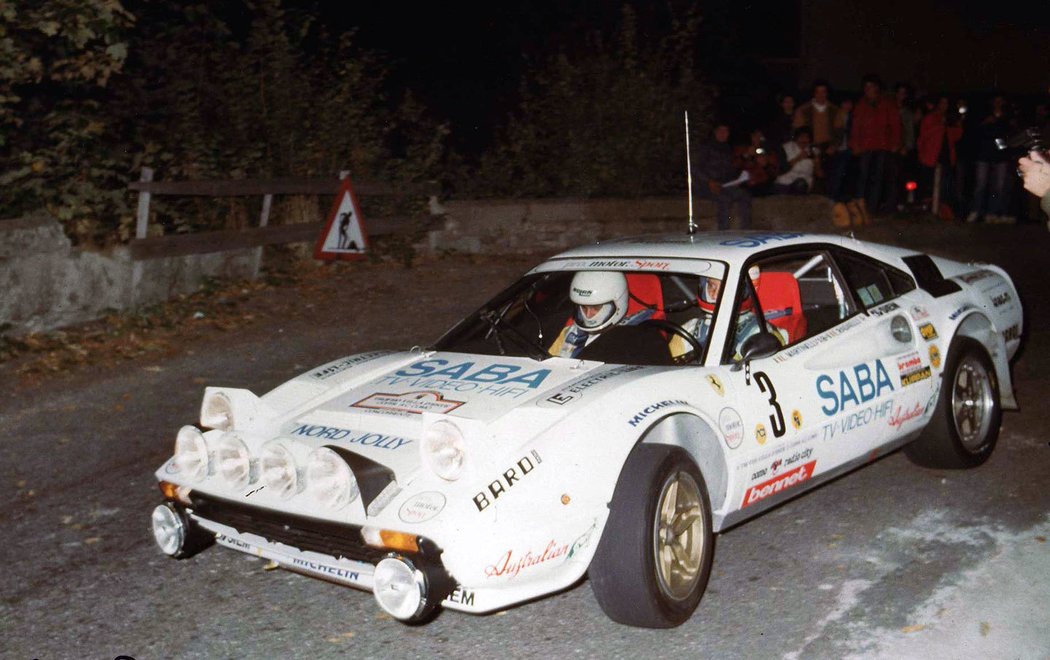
(856, 419)
(1001, 299)
(732, 427)
(422, 507)
(778, 484)
(326, 569)
(855, 386)
(813, 342)
(960, 311)
(884, 309)
(759, 240)
(912, 370)
(366, 439)
(506, 481)
(640, 416)
(796, 419)
(576, 389)
(1012, 333)
(461, 596)
(332, 368)
(498, 380)
(976, 276)
(928, 331)
(760, 434)
(918, 312)
(900, 416)
(415, 403)
(509, 564)
(935, 357)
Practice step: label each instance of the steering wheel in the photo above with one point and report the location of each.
(676, 329)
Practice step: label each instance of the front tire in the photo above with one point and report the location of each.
(654, 559)
(965, 425)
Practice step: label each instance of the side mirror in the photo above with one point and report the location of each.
(760, 345)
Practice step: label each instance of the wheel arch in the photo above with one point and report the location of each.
(979, 328)
(699, 439)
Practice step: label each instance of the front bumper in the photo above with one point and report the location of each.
(328, 550)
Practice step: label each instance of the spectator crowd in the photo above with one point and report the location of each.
(883, 152)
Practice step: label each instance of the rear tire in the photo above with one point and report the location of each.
(654, 559)
(965, 424)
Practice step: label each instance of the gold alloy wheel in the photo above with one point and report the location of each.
(972, 403)
(678, 535)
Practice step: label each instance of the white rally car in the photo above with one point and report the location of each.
(488, 469)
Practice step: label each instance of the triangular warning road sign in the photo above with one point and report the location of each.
(343, 236)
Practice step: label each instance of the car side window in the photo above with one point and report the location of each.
(872, 283)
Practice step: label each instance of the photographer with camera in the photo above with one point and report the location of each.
(799, 158)
(1035, 171)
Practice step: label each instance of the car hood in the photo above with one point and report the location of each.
(377, 404)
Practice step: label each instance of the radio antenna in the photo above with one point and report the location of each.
(689, 175)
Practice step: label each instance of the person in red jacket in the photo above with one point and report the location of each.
(938, 133)
(875, 132)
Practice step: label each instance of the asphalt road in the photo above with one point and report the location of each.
(890, 561)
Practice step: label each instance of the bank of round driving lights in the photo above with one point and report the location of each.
(191, 453)
(169, 529)
(443, 450)
(278, 470)
(232, 460)
(329, 480)
(400, 588)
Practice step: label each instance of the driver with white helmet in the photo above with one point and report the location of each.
(601, 303)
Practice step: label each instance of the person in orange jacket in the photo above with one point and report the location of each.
(938, 134)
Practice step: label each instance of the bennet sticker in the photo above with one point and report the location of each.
(777, 484)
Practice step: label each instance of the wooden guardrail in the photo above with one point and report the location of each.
(144, 247)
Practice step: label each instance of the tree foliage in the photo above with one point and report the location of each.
(604, 121)
(57, 144)
(92, 91)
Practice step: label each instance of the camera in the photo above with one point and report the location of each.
(1030, 138)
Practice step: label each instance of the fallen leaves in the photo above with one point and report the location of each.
(132, 334)
(913, 629)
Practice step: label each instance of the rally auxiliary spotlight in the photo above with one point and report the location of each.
(400, 588)
(169, 529)
(175, 534)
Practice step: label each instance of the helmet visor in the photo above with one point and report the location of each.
(590, 317)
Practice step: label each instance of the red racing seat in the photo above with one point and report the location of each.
(645, 292)
(781, 303)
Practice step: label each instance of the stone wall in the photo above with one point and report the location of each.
(47, 283)
(547, 226)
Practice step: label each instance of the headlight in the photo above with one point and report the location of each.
(443, 450)
(217, 411)
(329, 480)
(278, 470)
(232, 460)
(191, 453)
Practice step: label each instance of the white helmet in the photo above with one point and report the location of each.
(604, 288)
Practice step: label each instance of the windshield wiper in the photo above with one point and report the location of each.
(496, 327)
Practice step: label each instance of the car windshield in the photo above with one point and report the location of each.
(623, 317)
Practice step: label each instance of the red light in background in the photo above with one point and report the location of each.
(910, 186)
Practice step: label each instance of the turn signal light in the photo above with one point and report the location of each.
(389, 539)
(175, 492)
